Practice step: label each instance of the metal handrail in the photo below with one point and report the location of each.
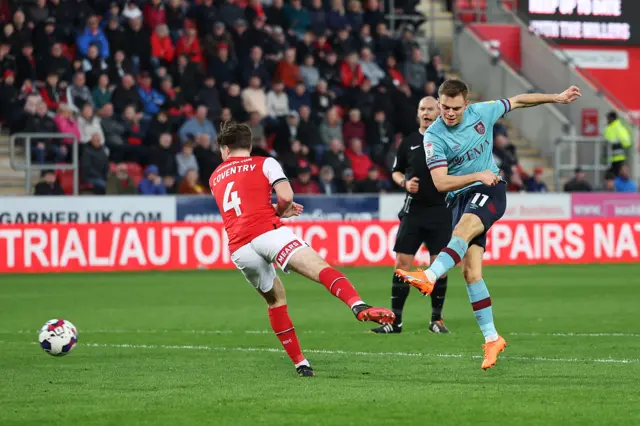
(28, 166)
(431, 17)
(600, 147)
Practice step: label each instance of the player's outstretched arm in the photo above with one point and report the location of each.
(528, 100)
(445, 182)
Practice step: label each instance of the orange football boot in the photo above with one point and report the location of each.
(491, 352)
(417, 279)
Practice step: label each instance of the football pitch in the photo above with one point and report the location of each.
(195, 348)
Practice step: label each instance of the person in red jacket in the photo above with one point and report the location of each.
(189, 45)
(360, 162)
(351, 74)
(161, 45)
(394, 72)
(287, 70)
(52, 94)
(254, 10)
(354, 128)
(154, 14)
(303, 183)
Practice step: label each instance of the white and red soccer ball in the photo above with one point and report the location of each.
(58, 337)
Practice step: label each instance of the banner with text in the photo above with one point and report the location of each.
(519, 206)
(585, 21)
(353, 207)
(605, 205)
(157, 246)
(87, 209)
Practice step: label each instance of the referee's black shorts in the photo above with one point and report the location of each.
(430, 226)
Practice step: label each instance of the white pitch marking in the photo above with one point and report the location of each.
(578, 334)
(350, 353)
(359, 353)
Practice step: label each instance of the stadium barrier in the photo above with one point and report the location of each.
(166, 246)
(88, 209)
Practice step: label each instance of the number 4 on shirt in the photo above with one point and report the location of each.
(231, 200)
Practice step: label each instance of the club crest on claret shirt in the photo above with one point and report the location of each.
(429, 150)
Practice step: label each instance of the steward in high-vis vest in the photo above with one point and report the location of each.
(619, 140)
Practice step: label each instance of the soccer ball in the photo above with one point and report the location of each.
(58, 337)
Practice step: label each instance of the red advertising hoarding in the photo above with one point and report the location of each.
(502, 38)
(614, 68)
(165, 246)
(590, 122)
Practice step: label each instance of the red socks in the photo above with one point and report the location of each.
(283, 327)
(339, 286)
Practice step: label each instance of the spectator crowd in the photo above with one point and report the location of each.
(143, 86)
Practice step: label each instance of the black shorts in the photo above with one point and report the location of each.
(486, 202)
(431, 226)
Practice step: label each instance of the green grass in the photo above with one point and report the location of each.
(202, 353)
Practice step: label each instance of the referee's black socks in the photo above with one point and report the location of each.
(437, 298)
(399, 294)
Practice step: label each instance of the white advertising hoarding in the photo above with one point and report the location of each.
(87, 209)
(530, 206)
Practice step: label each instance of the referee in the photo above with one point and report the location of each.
(424, 218)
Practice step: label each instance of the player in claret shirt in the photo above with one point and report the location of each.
(459, 152)
(242, 187)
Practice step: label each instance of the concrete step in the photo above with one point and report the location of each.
(433, 8)
(454, 75)
(12, 182)
(547, 177)
(474, 96)
(519, 142)
(442, 29)
(11, 190)
(528, 151)
(530, 163)
(5, 165)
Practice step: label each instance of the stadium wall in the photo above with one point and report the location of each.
(77, 234)
(123, 209)
(495, 79)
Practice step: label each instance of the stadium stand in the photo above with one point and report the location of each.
(321, 84)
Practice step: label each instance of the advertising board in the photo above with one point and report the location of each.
(86, 209)
(166, 246)
(352, 207)
(605, 205)
(594, 22)
(519, 206)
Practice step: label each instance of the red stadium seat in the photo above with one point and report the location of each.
(270, 140)
(384, 173)
(69, 51)
(65, 177)
(510, 4)
(471, 10)
(136, 172)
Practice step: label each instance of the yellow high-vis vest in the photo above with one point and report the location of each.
(619, 138)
